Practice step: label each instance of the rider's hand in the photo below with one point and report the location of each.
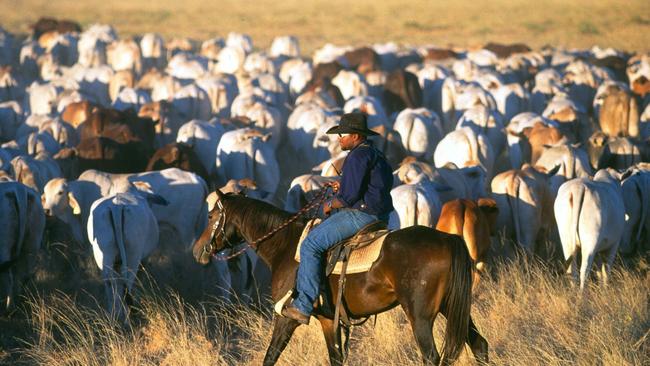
(336, 185)
(327, 208)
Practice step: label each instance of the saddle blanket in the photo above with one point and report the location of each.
(360, 259)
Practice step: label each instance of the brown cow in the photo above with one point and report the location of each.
(402, 90)
(440, 54)
(505, 50)
(178, 155)
(121, 126)
(325, 85)
(104, 154)
(475, 222)
(619, 114)
(77, 112)
(44, 25)
(325, 70)
(537, 137)
(363, 59)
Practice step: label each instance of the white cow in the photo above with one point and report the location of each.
(153, 51)
(70, 202)
(302, 190)
(636, 195)
(203, 137)
(246, 153)
(488, 122)
(351, 84)
(184, 191)
(451, 182)
(525, 204)
(36, 171)
(370, 106)
(21, 235)
(304, 125)
(131, 98)
(590, 220)
(187, 66)
(420, 131)
(285, 46)
(573, 163)
(415, 204)
(123, 231)
(221, 90)
(124, 54)
(11, 117)
(464, 148)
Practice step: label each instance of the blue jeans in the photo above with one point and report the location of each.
(341, 225)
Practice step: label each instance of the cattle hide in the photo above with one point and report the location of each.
(178, 155)
(402, 90)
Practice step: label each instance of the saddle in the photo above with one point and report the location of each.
(359, 251)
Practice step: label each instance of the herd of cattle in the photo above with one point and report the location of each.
(122, 138)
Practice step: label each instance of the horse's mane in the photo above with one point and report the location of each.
(251, 210)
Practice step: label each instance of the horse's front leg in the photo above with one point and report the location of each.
(283, 329)
(333, 346)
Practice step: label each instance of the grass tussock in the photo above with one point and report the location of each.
(529, 314)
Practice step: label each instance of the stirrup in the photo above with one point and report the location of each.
(280, 304)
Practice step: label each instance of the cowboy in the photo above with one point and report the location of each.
(363, 197)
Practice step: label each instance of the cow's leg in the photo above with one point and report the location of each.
(333, 347)
(113, 289)
(607, 264)
(573, 270)
(585, 266)
(477, 343)
(283, 329)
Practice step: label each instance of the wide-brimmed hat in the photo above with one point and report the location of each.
(354, 122)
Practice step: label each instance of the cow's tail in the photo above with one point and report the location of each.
(572, 236)
(411, 214)
(458, 300)
(643, 189)
(20, 195)
(117, 215)
(513, 202)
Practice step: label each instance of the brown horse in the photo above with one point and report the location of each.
(422, 269)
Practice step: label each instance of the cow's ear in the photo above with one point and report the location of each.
(76, 208)
(554, 170)
(247, 183)
(143, 186)
(156, 199)
(626, 174)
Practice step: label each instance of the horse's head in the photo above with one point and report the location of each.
(219, 234)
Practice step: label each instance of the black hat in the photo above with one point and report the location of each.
(354, 122)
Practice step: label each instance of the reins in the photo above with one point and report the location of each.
(219, 226)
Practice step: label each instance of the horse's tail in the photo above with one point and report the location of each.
(458, 301)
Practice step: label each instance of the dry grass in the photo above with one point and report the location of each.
(578, 23)
(529, 315)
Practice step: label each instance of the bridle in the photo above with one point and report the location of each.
(218, 228)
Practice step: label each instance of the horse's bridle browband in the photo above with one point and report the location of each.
(220, 224)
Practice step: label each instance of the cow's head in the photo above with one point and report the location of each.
(58, 200)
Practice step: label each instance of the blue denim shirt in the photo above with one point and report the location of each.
(366, 181)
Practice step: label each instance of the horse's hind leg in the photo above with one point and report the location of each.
(477, 343)
(283, 329)
(333, 347)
